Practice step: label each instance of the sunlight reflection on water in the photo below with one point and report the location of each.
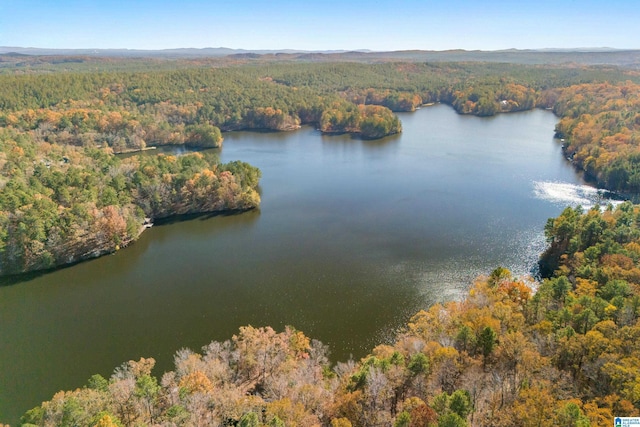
(562, 193)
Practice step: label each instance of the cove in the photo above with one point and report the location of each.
(352, 238)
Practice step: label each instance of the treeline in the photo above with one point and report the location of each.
(60, 204)
(128, 111)
(567, 354)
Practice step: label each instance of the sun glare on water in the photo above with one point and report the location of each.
(566, 194)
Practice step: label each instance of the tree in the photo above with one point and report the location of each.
(250, 419)
(451, 420)
(460, 403)
(340, 422)
(203, 135)
(570, 415)
(487, 341)
(499, 275)
(106, 421)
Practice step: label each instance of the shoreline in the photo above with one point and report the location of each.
(16, 278)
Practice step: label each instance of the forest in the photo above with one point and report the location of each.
(66, 196)
(563, 351)
(61, 204)
(566, 353)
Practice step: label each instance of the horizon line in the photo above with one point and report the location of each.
(361, 50)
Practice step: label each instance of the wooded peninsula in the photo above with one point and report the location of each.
(560, 352)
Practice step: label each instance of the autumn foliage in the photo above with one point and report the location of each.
(62, 204)
(601, 123)
(512, 353)
(370, 121)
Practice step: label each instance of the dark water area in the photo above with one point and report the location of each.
(352, 238)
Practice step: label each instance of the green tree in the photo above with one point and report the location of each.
(402, 420)
(487, 339)
(147, 390)
(250, 419)
(203, 135)
(98, 382)
(570, 415)
(460, 403)
(451, 419)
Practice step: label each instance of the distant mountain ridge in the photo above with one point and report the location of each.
(629, 58)
(186, 52)
(224, 51)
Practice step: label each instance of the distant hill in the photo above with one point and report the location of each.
(138, 53)
(581, 56)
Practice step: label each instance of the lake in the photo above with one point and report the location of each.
(352, 238)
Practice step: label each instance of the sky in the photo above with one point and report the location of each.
(378, 25)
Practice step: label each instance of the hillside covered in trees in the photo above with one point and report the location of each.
(565, 355)
(66, 196)
(61, 204)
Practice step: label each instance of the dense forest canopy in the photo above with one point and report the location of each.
(566, 354)
(73, 115)
(61, 203)
(15, 59)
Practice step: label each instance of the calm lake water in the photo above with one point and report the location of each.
(352, 238)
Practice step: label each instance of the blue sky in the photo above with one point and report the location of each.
(320, 25)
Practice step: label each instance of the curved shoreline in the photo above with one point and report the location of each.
(12, 279)
(101, 250)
